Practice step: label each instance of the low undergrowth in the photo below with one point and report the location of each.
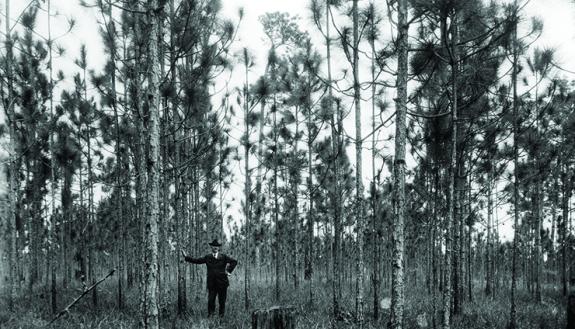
(32, 311)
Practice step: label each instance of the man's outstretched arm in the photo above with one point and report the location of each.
(201, 260)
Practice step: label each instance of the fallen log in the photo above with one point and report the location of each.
(276, 317)
(67, 308)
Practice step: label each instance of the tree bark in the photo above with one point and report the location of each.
(359, 189)
(277, 233)
(374, 184)
(336, 270)
(397, 287)
(248, 182)
(469, 248)
(180, 186)
(52, 238)
(12, 169)
(309, 249)
(489, 262)
(91, 223)
(150, 305)
(566, 187)
(451, 195)
(118, 176)
(295, 209)
(513, 312)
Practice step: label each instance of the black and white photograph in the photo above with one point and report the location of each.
(287, 164)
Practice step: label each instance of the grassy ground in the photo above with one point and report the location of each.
(481, 313)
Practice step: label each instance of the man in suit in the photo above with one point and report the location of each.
(219, 267)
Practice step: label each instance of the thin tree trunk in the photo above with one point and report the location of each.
(339, 266)
(277, 232)
(91, 223)
(469, 250)
(13, 169)
(52, 238)
(457, 236)
(360, 209)
(118, 179)
(150, 309)
(83, 217)
(335, 274)
(566, 186)
(295, 210)
(309, 252)
(554, 204)
(436, 286)
(90, 276)
(397, 286)
(163, 192)
(489, 243)
(451, 202)
(374, 184)
(140, 148)
(247, 186)
(180, 194)
(538, 208)
(513, 313)
(459, 227)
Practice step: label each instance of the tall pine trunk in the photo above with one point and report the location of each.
(180, 186)
(259, 208)
(91, 223)
(360, 209)
(336, 271)
(376, 280)
(12, 169)
(469, 237)
(308, 261)
(566, 191)
(277, 233)
(538, 206)
(118, 176)
(150, 305)
(52, 236)
(451, 202)
(247, 184)
(489, 243)
(513, 312)
(397, 285)
(295, 209)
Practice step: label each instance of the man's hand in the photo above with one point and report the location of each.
(183, 253)
(228, 273)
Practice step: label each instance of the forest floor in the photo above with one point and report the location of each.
(482, 312)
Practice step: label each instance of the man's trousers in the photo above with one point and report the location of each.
(222, 294)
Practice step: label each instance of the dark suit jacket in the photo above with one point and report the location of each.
(217, 277)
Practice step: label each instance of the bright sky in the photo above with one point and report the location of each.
(559, 33)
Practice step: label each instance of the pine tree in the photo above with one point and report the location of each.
(359, 189)
(13, 170)
(247, 61)
(150, 297)
(516, 237)
(397, 287)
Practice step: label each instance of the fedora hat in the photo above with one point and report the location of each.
(215, 243)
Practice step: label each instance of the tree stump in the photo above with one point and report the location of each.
(571, 312)
(276, 317)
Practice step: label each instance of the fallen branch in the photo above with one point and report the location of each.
(67, 308)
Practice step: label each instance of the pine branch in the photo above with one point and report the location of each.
(67, 308)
